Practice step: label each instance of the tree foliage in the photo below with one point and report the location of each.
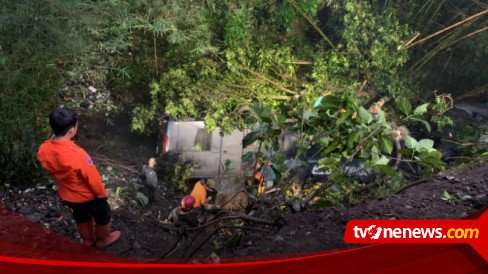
(208, 59)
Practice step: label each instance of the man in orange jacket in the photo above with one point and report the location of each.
(80, 185)
(199, 192)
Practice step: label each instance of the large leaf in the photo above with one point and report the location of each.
(279, 169)
(250, 120)
(420, 110)
(426, 124)
(410, 142)
(250, 138)
(404, 105)
(247, 157)
(386, 144)
(330, 102)
(364, 117)
(143, 200)
(278, 157)
(388, 170)
(426, 143)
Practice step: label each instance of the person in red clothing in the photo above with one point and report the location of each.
(80, 185)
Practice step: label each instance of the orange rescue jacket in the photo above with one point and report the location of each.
(73, 169)
(199, 192)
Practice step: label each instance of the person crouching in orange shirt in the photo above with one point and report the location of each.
(80, 185)
(199, 192)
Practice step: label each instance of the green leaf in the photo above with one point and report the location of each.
(374, 153)
(143, 200)
(250, 138)
(404, 105)
(382, 161)
(198, 147)
(386, 144)
(269, 184)
(426, 143)
(330, 102)
(420, 110)
(388, 170)
(325, 141)
(250, 120)
(364, 117)
(247, 157)
(278, 157)
(310, 114)
(229, 165)
(279, 169)
(380, 117)
(352, 139)
(407, 151)
(331, 147)
(426, 124)
(410, 142)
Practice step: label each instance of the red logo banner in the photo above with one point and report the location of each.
(473, 232)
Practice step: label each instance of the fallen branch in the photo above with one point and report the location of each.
(412, 184)
(327, 183)
(106, 161)
(448, 28)
(311, 23)
(221, 227)
(465, 37)
(236, 216)
(268, 80)
(175, 247)
(203, 242)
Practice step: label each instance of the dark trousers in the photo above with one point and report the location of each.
(98, 209)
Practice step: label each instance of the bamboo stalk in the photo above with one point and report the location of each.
(155, 54)
(448, 28)
(278, 97)
(465, 37)
(477, 91)
(300, 62)
(268, 80)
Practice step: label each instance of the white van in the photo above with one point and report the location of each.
(214, 153)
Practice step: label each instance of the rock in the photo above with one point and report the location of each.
(278, 238)
(296, 207)
(52, 214)
(214, 258)
(136, 244)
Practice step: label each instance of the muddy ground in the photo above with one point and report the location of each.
(119, 154)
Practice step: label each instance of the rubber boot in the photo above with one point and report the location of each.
(104, 236)
(87, 232)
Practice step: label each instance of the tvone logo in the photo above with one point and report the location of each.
(374, 232)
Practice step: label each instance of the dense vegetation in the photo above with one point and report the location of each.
(209, 59)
